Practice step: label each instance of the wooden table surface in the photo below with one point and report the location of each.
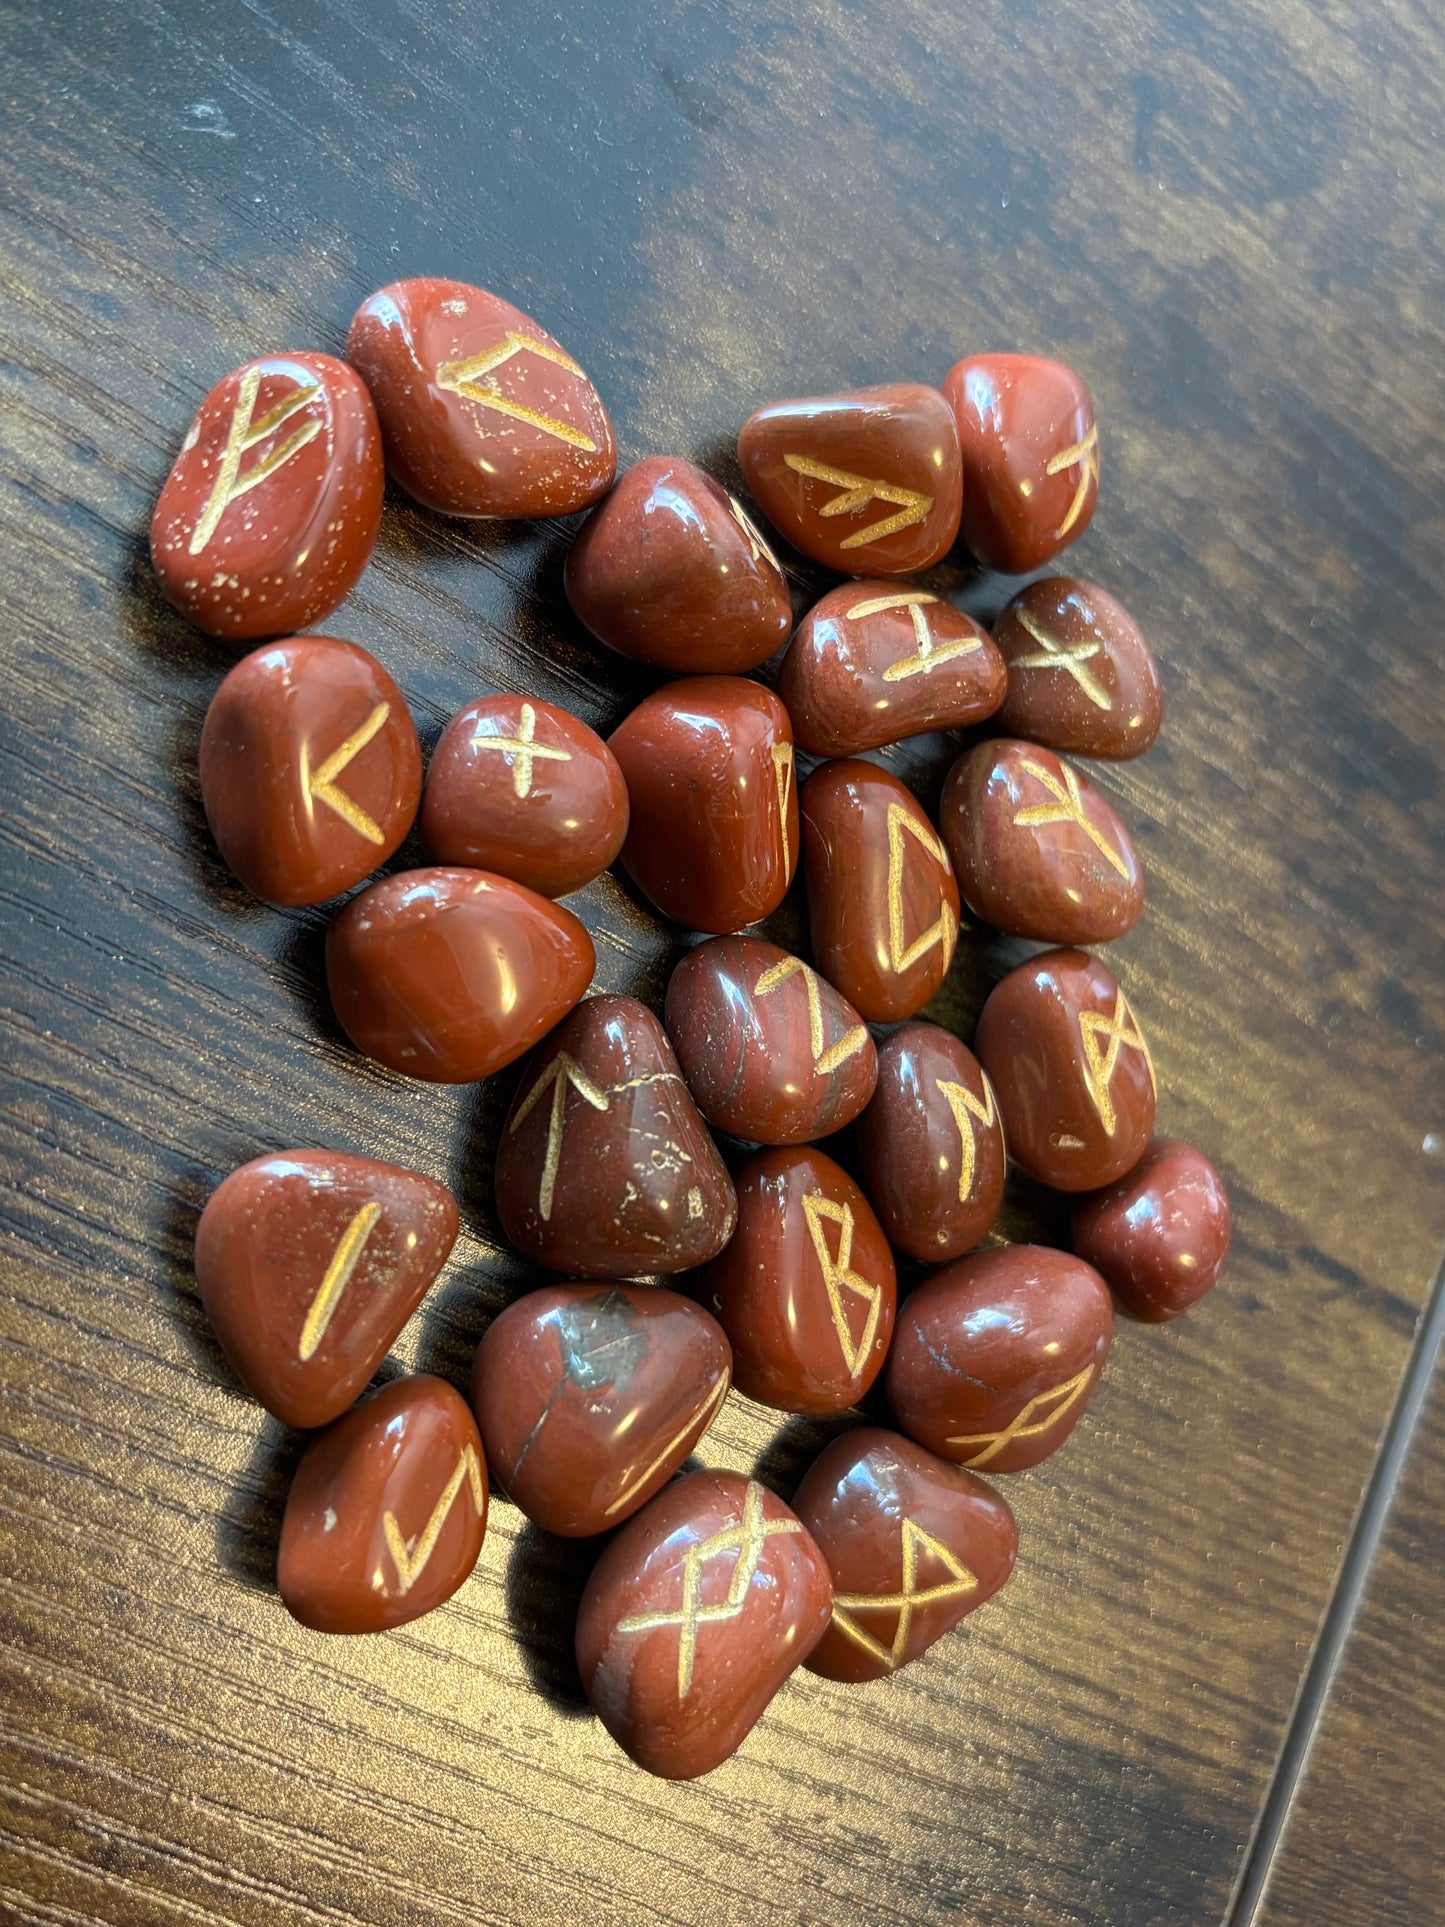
(1230, 219)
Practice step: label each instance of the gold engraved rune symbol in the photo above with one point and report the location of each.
(475, 380)
(746, 1541)
(344, 1261)
(964, 1105)
(1084, 456)
(410, 1560)
(522, 751)
(1070, 657)
(701, 1418)
(757, 547)
(1103, 1039)
(824, 1061)
(782, 755)
(1067, 807)
(1026, 1424)
(321, 784)
(929, 653)
(243, 434)
(856, 492)
(909, 1597)
(902, 955)
(562, 1071)
(838, 1277)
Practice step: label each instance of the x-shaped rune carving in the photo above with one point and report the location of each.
(1068, 656)
(475, 380)
(964, 1105)
(244, 434)
(1103, 1038)
(902, 955)
(410, 1559)
(1067, 807)
(757, 547)
(322, 783)
(856, 492)
(1027, 1423)
(909, 1597)
(522, 751)
(824, 1061)
(344, 1260)
(1084, 456)
(929, 653)
(838, 1277)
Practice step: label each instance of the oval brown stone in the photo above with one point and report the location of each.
(1081, 677)
(589, 1397)
(693, 1618)
(932, 1144)
(996, 1356)
(605, 1169)
(450, 974)
(1159, 1235)
(913, 1544)
(1071, 1068)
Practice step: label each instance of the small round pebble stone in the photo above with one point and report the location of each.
(1160, 1234)
(1081, 677)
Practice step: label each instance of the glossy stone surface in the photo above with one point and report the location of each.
(605, 1168)
(913, 1544)
(769, 1049)
(450, 974)
(1071, 1069)
(386, 1513)
(522, 788)
(482, 412)
(996, 1356)
(1081, 677)
(270, 512)
(806, 1290)
(310, 768)
(713, 836)
(882, 900)
(1030, 449)
(1037, 850)
(876, 661)
(309, 1263)
(867, 483)
(589, 1397)
(932, 1144)
(1160, 1234)
(694, 1616)
(670, 570)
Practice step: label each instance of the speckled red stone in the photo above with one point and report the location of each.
(1160, 1234)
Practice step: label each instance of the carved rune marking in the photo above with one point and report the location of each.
(909, 1597)
(562, 1071)
(757, 547)
(1070, 657)
(1084, 456)
(243, 434)
(838, 1278)
(746, 1541)
(321, 783)
(847, 1046)
(474, 380)
(929, 653)
(1067, 807)
(522, 750)
(856, 492)
(701, 1417)
(1027, 1424)
(782, 755)
(964, 1105)
(902, 955)
(410, 1558)
(1103, 1038)
(344, 1261)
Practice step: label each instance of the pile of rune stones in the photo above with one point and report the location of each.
(586, 1397)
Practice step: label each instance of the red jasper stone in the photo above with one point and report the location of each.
(1037, 850)
(605, 1169)
(806, 1289)
(1071, 1068)
(882, 901)
(669, 570)
(270, 512)
(996, 1356)
(1160, 1235)
(873, 662)
(932, 1144)
(868, 483)
(310, 768)
(913, 1544)
(1030, 457)
(521, 788)
(309, 1263)
(482, 412)
(589, 1397)
(386, 1513)
(694, 1616)
(713, 836)
(450, 974)
(770, 1050)
(1081, 677)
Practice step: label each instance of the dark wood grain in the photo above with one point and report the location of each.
(1231, 220)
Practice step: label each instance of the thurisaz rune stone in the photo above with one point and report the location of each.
(605, 1168)
(449, 974)
(913, 1544)
(1160, 1234)
(996, 1356)
(310, 768)
(771, 1052)
(309, 1263)
(589, 1397)
(482, 412)
(270, 512)
(1081, 677)
(386, 1513)
(694, 1616)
